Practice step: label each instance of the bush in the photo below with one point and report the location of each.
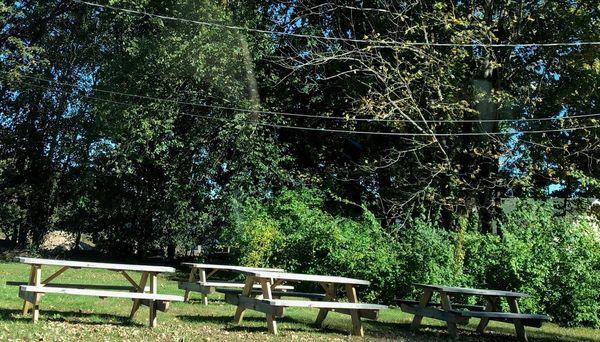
(554, 259)
(426, 254)
(302, 237)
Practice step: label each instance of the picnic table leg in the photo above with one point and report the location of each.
(514, 307)
(191, 278)
(357, 328)
(491, 305)
(37, 282)
(329, 295)
(447, 306)
(247, 292)
(153, 290)
(203, 279)
(416, 322)
(30, 282)
(141, 288)
(267, 294)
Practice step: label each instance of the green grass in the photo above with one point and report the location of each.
(67, 318)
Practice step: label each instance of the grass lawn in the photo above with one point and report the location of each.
(66, 318)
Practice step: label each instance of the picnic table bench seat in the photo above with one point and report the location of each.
(209, 287)
(258, 291)
(28, 293)
(530, 320)
(86, 286)
(438, 304)
(276, 307)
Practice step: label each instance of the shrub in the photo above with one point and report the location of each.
(302, 237)
(426, 254)
(554, 259)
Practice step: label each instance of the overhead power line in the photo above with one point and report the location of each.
(328, 130)
(340, 39)
(310, 116)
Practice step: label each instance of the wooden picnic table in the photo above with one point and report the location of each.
(139, 292)
(459, 314)
(198, 279)
(264, 300)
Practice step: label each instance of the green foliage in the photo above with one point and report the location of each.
(426, 254)
(554, 259)
(293, 231)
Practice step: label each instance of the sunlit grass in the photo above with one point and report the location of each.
(67, 318)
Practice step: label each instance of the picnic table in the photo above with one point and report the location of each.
(265, 301)
(199, 273)
(459, 314)
(139, 292)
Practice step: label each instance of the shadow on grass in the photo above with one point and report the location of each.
(73, 317)
(227, 322)
(395, 330)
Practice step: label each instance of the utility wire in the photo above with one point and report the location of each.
(340, 118)
(328, 130)
(341, 39)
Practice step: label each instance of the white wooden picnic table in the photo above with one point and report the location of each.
(138, 292)
(198, 279)
(264, 300)
(460, 314)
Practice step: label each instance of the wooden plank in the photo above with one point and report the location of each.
(266, 293)
(199, 286)
(160, 304)
(322, 304)
(246, 292)
(142, 285)
(191, 279)
(211, 273)
(230, 267)
(306, 277)
(56, 274)
(447, 306)
(37, 283)
(425, 298)
(519, 328)
(202, 274)
(470, 291)
(101, 293)
(254, 304)
(131, 281)
(504, 315)
(29, 297)
(80, 286)
(330, 295)
(31, 281)
(152, 306)
(106, 266)
(435, 304)
(368, 314)
(314, 296)
(453, 316)
(195, 287)
(357, 329)
(491, 305)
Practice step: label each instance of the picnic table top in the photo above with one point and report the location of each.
(100, 265)
(470, 291)
(305, 277)
(230, 267)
